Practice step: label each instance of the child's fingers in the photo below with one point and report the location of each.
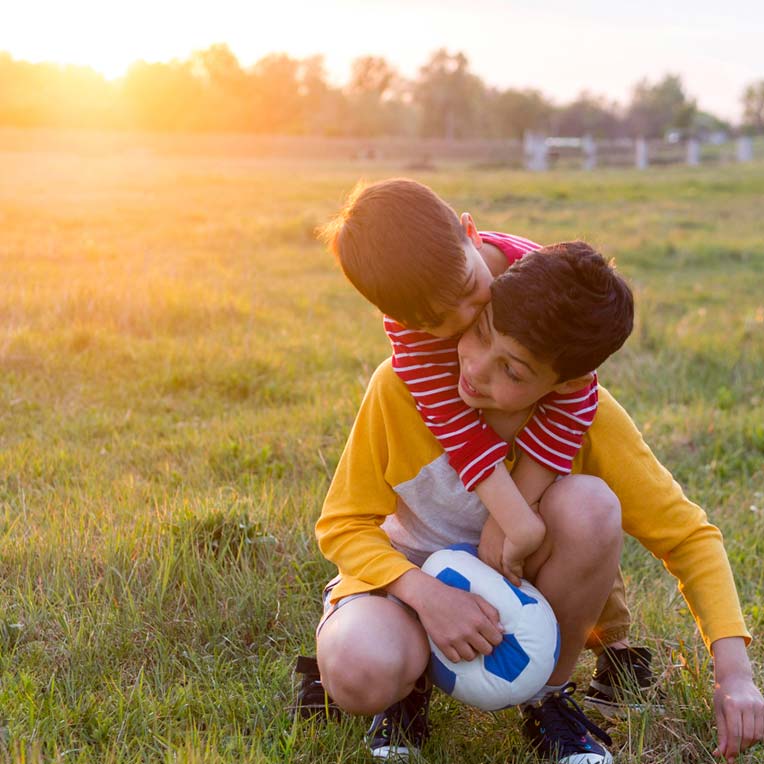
(733, 733)
(721, 729)
(512, 578)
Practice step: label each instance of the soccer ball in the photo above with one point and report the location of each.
(517, 668)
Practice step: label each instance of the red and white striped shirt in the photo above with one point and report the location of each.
(430, 368)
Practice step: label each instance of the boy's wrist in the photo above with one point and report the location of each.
(731, 659)
(411, 587)
(526, 540)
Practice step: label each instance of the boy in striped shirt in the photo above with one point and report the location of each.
(429, 272)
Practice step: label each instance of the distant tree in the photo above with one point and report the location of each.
(21, 85)
(753, 106)
(321, 104)
(218, 64)
(705, 124)
(656, 109)
(371, 75)
(226, 90)
(59, 96)
(514, 112)
(590, 115)
(164, 96)
(448, 96)
(370, 93)
(277, 98)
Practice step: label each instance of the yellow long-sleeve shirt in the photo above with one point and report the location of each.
(393, 472)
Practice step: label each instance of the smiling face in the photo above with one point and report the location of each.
(498, 373)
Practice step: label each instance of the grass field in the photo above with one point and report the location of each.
(181, 363)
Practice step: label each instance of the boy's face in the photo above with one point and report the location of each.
(498, 373)
(475, 296)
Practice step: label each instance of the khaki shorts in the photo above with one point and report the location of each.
(330, 608)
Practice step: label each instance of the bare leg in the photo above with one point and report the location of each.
(371, 653)
(575, 566)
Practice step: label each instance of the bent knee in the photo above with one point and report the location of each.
(358, 687)
(583, 506)
(364, 674)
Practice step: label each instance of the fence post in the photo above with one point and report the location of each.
(640, 153)
(744, 148)
(693, 151)
(534, 146)
(589, 147)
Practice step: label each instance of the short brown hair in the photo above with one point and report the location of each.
(565, 304)
(402, 247)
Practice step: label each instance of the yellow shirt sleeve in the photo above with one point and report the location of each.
(361, 494)
(656, 512)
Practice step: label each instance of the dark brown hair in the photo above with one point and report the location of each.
(402, 247)
(565, 304)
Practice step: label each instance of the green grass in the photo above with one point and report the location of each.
(180, 365)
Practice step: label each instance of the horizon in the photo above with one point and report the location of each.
(709, 51)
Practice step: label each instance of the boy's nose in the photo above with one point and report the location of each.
(476, 370)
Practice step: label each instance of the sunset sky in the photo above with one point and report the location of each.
(556, 46)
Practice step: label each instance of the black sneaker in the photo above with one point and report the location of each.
(622, 681)
(558, 730)
(399, 732)
(312, 700)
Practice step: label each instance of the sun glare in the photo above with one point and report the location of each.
(102, 35)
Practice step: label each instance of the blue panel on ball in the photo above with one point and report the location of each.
(441, 675)
(557, 646)
(452, 578)
(471, 548)
(508, 660)
(525, 599)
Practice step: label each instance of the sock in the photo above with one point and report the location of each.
(547, 689)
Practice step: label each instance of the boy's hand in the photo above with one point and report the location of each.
(511, 562)
(491, 544)
(461, 624)
(502, 553)
(739, 709)
(738, 704)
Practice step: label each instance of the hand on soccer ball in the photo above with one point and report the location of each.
(462, 625)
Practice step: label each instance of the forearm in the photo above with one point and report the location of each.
(531, 478)
(506, 505)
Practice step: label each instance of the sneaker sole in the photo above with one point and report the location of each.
(587, 758)
(393, 753)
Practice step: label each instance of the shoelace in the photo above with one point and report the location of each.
(561, 716)
(407, 717)
(415, 717)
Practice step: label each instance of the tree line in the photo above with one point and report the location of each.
(211, 92)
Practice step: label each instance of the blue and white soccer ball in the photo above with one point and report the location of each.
(517, 668)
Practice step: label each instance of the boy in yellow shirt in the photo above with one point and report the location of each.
(391, 504)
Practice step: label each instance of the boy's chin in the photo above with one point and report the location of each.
(471, 402)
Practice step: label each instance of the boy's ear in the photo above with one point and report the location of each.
(468, 224)
(577, 383)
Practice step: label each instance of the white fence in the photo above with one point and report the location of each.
(542, 153)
